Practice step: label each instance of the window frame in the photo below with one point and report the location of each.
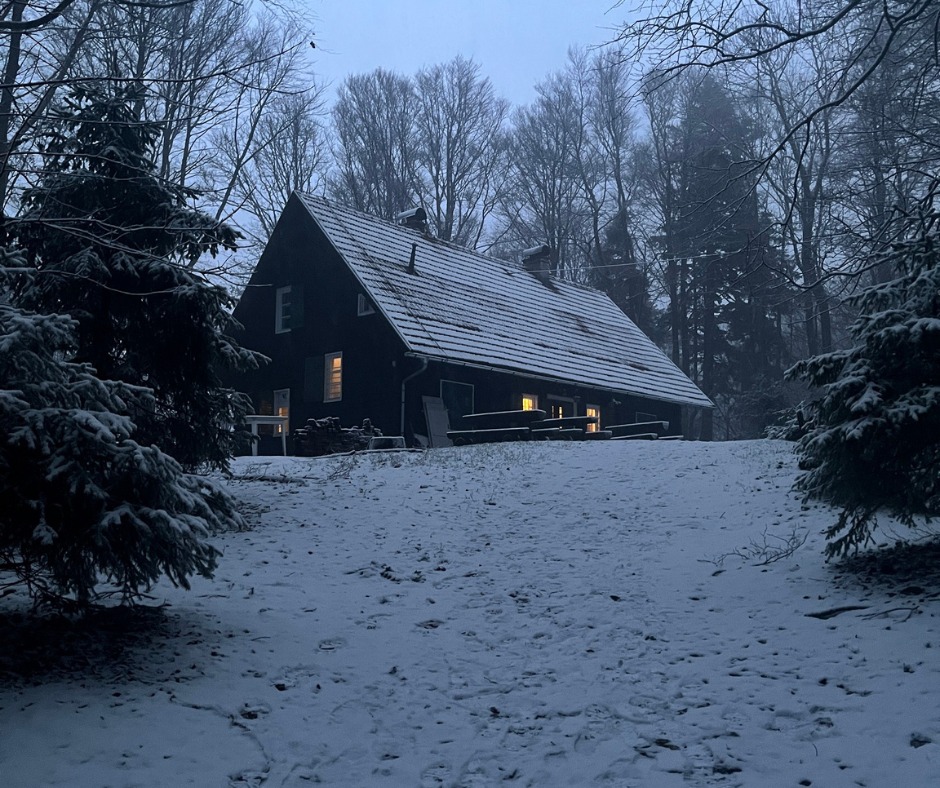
(274, 407)
(597, 412)
(328, 358)
(364, 306)
(282, 319)
(561, 402)
(533, 397)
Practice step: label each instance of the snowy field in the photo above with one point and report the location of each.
(517, 614)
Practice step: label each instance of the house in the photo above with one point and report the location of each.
(368, 318)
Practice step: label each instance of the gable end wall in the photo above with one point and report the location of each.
(299, 255)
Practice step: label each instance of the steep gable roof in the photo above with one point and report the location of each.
(462, 306)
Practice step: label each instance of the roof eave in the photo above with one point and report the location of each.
(687, 401)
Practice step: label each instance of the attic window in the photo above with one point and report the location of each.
(364, 306)
(282, 315)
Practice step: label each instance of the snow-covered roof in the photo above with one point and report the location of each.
(464, 307)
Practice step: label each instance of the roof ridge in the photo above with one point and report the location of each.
(381, 270)
(339, 206)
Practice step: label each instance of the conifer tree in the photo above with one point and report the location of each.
(82, 502)
(874, 443)
(116, 248)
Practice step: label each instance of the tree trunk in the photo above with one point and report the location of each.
(10, 73)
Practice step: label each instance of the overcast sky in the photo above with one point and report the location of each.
(516, 42)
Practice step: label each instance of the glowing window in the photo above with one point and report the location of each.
(530, 402)
(281, 408)
(594, 412)
(333, 377)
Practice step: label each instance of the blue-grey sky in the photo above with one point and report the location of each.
(516, 42)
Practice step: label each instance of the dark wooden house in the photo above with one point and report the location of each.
(367, 318)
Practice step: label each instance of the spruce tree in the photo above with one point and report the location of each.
(116, 248)
(81, 502)
(874, 442)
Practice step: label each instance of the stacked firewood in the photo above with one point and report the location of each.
(327, 436)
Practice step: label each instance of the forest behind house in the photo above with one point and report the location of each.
(753, 184)
(700, 199)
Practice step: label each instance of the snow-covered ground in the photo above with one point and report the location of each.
(516, 614)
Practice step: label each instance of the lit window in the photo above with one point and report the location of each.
(530, 402)
(282, 310)
(560, 407)
(333, 377)
(595, 413)
(281, 408)
(364, 307)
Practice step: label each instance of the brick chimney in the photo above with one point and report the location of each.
(537, 261)
(414, 219)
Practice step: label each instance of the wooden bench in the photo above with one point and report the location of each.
(501, 419)
(569, 434)
(642, 436)
(638, 428)
(565, 422)
(466, 437)
(520, 425)
(544, 433)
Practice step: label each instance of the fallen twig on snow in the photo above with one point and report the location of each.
(770, 549)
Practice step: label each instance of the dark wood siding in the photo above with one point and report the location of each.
(496, 391)
(324, 319)
(324, 301)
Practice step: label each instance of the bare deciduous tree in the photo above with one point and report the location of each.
(289, 155)
(209, 69)
(33, 70)
(800, 178)
(273, 70)
(680, 34)
(544, 198)
(375, 145)
(459, 133)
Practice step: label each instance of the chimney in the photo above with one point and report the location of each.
(414, 219)
(537, 260)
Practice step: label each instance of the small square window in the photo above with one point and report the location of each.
(364, 306)
(282, 311)
(530, 401)
(333, 377)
